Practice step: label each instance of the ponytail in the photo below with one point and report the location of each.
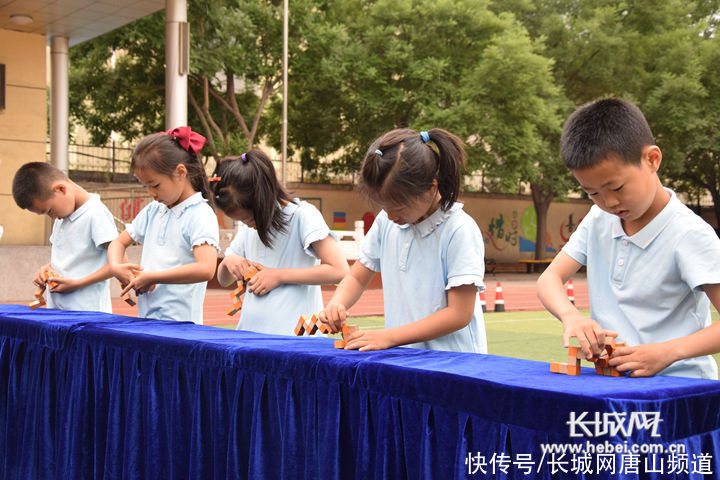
(249, 182)
(402, 165)
(451, 163)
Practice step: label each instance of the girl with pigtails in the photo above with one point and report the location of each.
(178, 229)
(428, 250)
(286, 239)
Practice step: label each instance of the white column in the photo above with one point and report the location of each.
(59, 102)
(177, 56)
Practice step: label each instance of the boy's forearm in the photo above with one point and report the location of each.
(698, 344)
(97, 276)
(551, 292)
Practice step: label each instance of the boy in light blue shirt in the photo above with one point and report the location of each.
(653, 265)
(82, 230)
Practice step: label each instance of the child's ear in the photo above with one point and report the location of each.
(653, 155)
(59, 186)
(181, 170)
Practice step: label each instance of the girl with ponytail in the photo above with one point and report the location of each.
(179, 230)
(429, 252)
(285, 239)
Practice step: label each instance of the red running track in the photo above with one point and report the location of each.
(518, 293)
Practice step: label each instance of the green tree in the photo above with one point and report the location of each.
(642, 50)
(682, 110)
(422, 63)
(117, 79)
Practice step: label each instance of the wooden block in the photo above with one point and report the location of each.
(37, 303)
(555, 367)
(39, 293)
(300, 327)
(573, 370)
(598, 369)
(349, 329)
(128, 299)
(311, 328)
(240, 287)
(339, 343)
(52, 273)
(323, 327)
(620, 344)
(574, 361)
(235, 308)
(575, 352)
(250, 273)
(615, 373)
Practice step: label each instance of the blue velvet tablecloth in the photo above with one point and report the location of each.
(91, 395)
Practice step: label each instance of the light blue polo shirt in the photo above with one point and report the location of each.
(648, 286)
(168, 236)
(278, 311)
(419, 263)
(78, 249)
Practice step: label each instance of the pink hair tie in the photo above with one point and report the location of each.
(190, 141)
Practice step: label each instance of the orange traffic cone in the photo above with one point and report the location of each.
(499, 301)
(483, 303)
(571, 292)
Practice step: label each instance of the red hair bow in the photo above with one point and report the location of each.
(191, 141)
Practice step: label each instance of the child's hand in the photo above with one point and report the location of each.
(334, 315)
(236, 265)
(64, 284)
(39, 277)
(124, 272)
(589, 333)
(365, 340)
(264, 281)
(642, 360)
(142, 282)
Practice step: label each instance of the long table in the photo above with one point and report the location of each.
(91, 395)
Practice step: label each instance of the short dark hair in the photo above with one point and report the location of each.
(249, 182)
(400, 166)
(602, 128)
(33, 181)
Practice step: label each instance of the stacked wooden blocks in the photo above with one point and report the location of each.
(236, 294)
(311, 325)
(39, 299)
(602, 367)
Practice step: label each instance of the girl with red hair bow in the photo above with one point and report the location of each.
(178, 230)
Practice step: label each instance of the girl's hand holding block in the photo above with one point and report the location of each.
(265, 280)
(334, 316)
(124, 272)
